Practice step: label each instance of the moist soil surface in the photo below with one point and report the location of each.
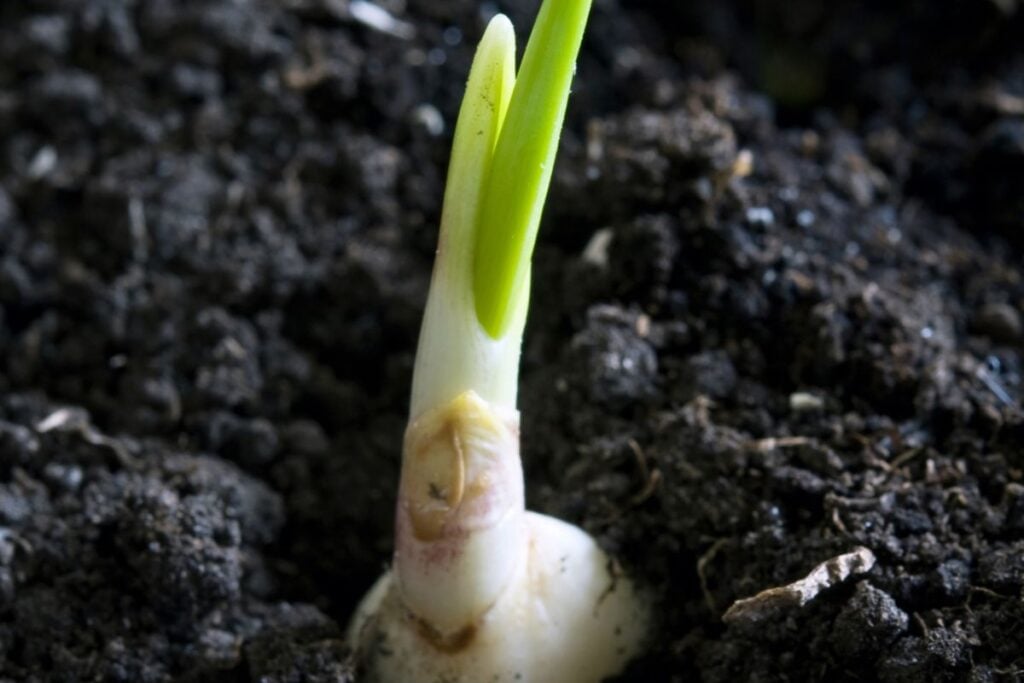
(776, 321)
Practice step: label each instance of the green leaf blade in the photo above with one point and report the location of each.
(520, 172)
(488, 93)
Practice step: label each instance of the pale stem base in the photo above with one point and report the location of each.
(569, 616)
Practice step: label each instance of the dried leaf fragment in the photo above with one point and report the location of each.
(797, 594)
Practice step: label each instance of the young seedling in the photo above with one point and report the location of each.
(481, 590)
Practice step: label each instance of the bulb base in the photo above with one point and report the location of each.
(569, 616)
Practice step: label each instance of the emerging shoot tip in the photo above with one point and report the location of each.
(515, 189)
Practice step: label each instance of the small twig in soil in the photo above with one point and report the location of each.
(702, 565)
(919, 620)
(838, 522)
(905, 457)
(77, 422)
(651, 478)
(771, 443)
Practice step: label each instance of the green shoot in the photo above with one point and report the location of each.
(517, 185)
(502, 156)
(453, 355)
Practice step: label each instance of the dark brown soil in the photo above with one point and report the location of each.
(778, 318)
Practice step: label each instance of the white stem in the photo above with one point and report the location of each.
(455, 354)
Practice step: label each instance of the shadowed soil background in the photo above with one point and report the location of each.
(776, 318)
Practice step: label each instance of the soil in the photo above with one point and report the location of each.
(781, 322)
